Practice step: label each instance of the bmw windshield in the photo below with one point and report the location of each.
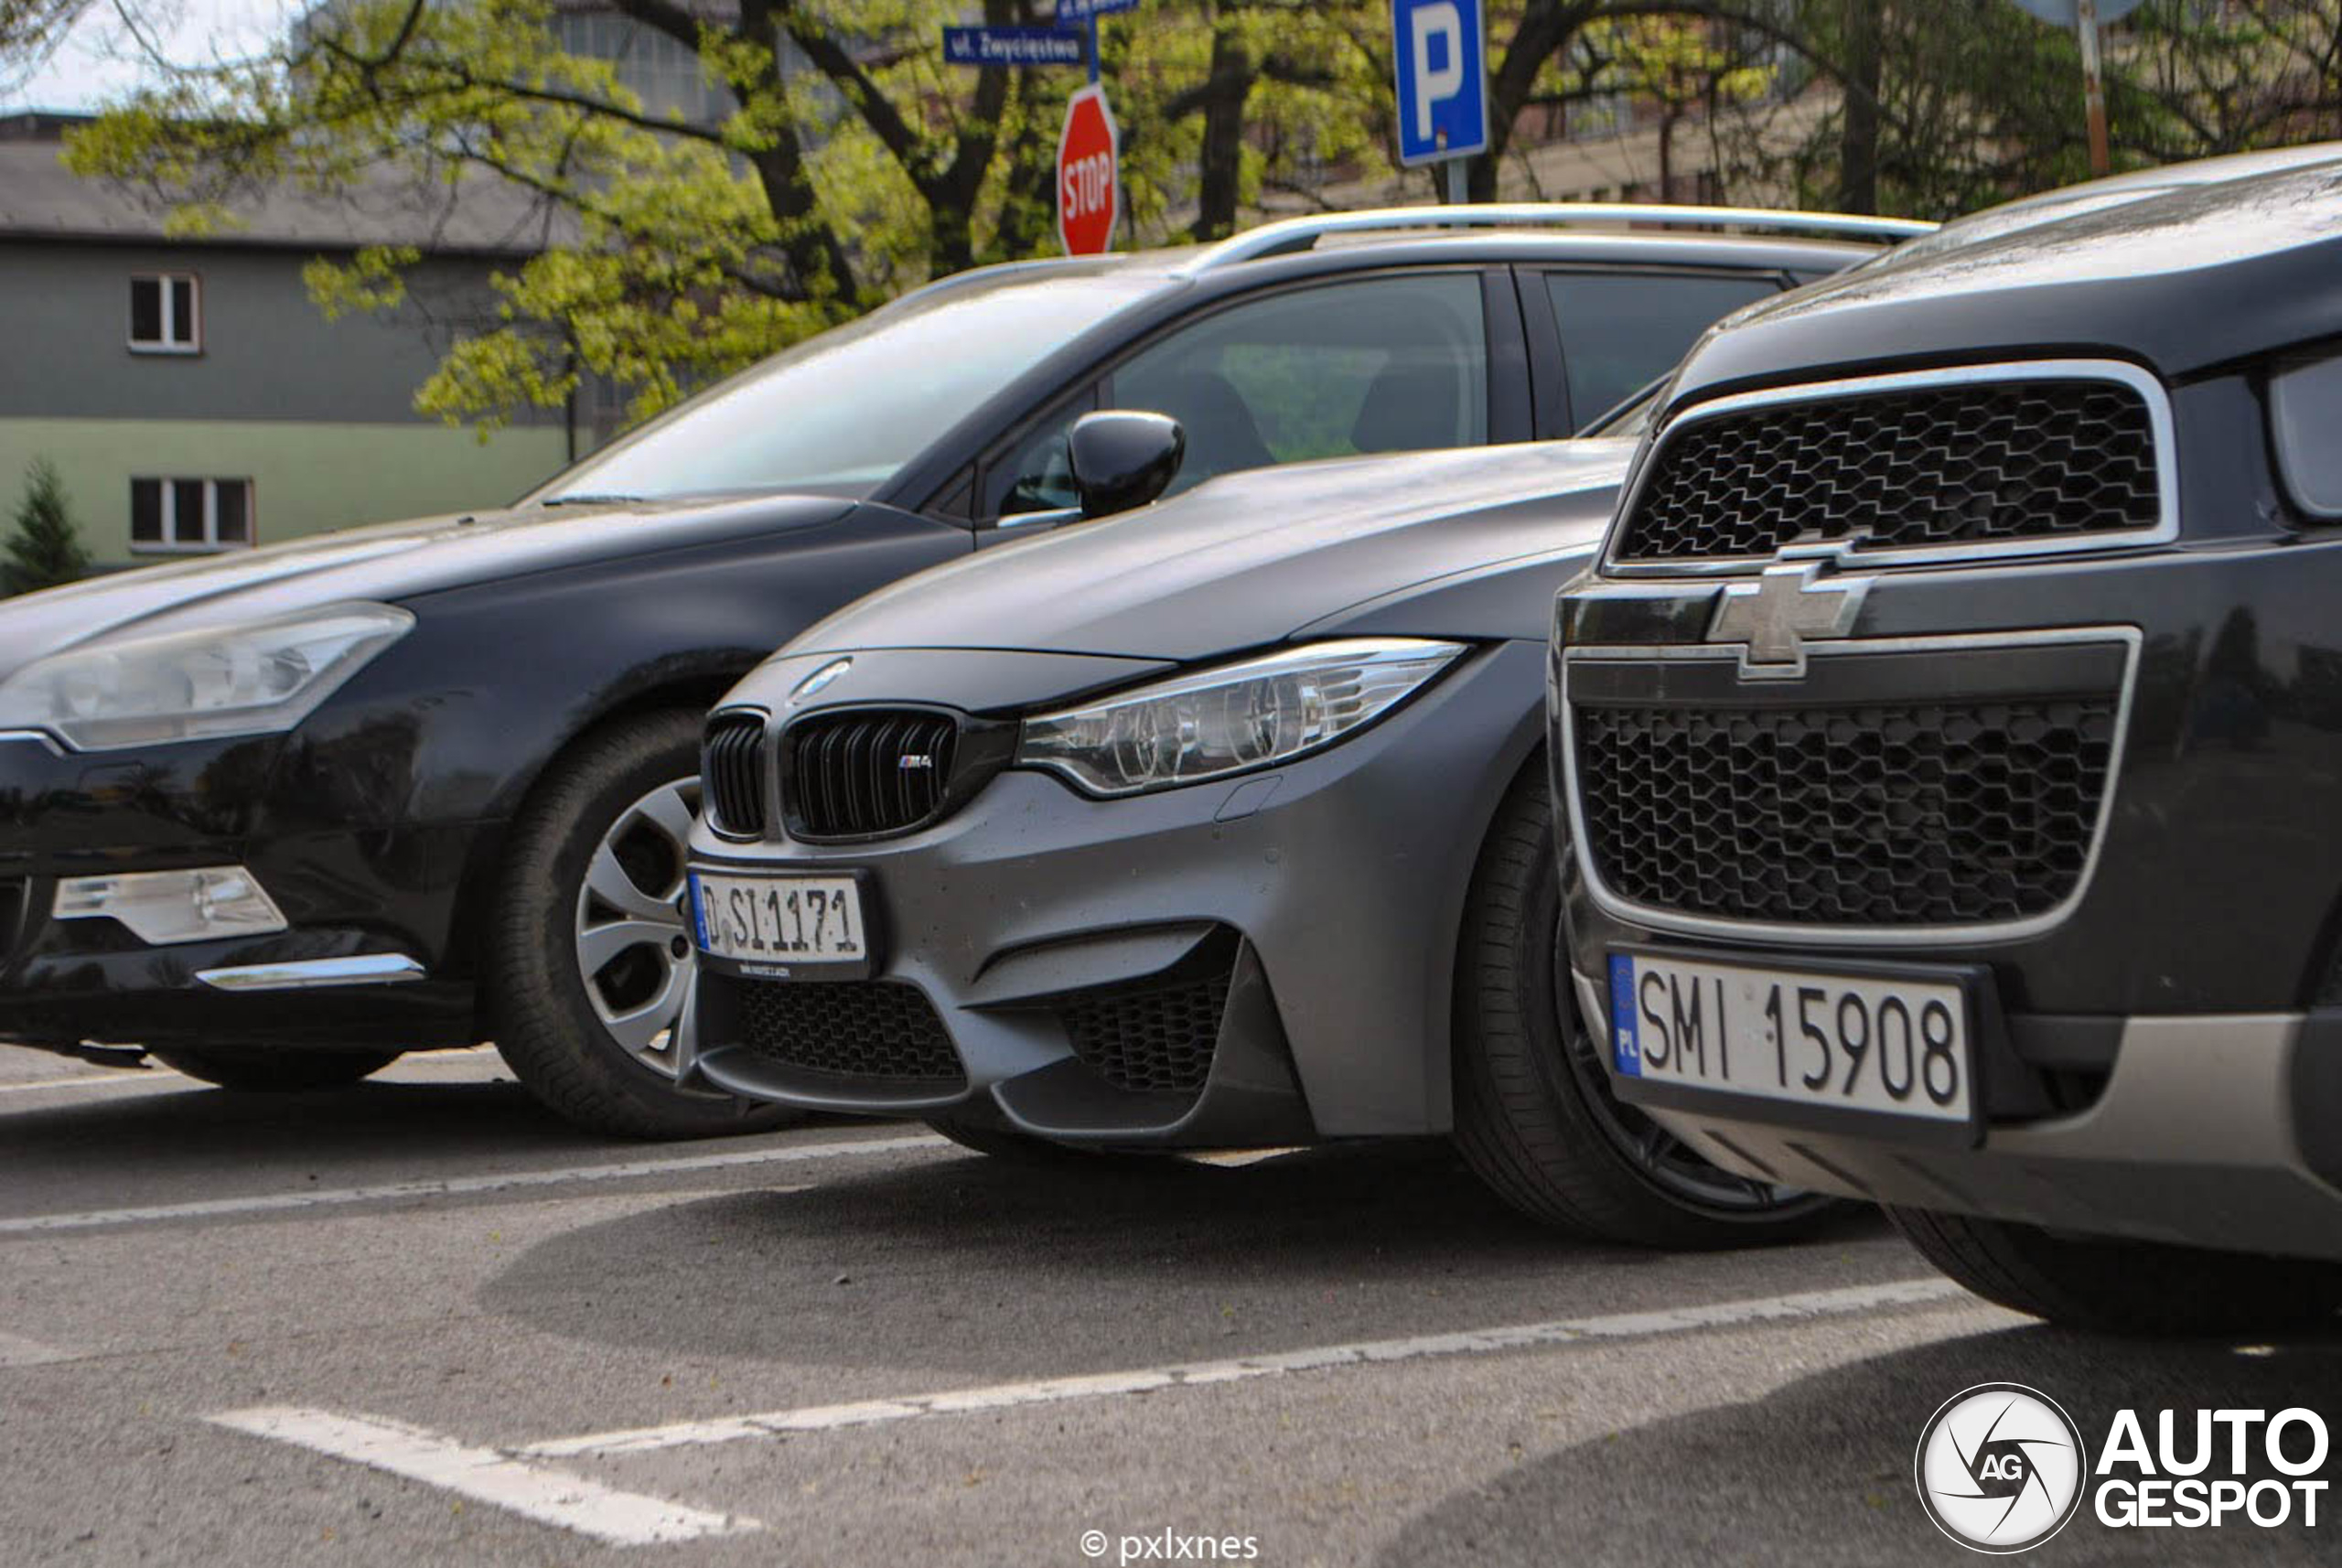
(844, 409)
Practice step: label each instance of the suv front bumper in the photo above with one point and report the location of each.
(2220, 1130)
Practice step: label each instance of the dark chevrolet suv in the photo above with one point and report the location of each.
(1951, 739)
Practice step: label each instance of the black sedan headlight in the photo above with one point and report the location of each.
(259, 678)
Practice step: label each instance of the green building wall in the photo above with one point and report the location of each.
(307, 477)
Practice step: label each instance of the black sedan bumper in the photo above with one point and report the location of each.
(373, 917)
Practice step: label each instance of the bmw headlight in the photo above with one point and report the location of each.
(2305, 411)
(1232, 719)
(253, 679)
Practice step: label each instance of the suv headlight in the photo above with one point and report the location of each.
(1232, 719)
(2305, 412)
(253, 679)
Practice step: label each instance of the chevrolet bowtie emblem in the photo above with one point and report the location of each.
(1793, 603)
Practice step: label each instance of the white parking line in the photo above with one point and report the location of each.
(452, 1187)
(118, 1078)
(549, 1496)
(17, 1351)
(1376, 1352)
(151, 1074)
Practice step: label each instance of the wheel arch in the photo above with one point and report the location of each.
(1522, 756)
(695, 689)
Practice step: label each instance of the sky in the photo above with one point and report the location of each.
(102, 59)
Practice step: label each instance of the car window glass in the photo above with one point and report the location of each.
(844, 409)
(1383, 364)
(1619, 331)
(1037, 474)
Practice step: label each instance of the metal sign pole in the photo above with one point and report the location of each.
(2093, 85)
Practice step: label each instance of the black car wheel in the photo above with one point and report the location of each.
(591, 960)
(2124, 1288)
(256, 1069)
(1534, 1114)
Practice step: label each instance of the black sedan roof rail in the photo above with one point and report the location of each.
(1290, 234)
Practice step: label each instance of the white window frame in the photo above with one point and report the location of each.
(211, 543)
(166, 344)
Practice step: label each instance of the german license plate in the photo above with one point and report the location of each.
(777, 925)
(1880, 1042)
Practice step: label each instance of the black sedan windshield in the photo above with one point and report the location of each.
(844, 409)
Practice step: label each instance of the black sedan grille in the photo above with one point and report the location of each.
(1157, 1034)
(732, 774)
(1906, 815)
(1959, 463)
(869, 1029)
(866, 772)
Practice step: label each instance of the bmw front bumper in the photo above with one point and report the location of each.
(1265, 958)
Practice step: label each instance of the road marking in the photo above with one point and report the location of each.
(17, 1351)
(151, 1074)
(1376, 1352)
(455, 1186)
(119, 1078)
(538, 1492)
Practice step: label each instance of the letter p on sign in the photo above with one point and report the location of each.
(1441, 56)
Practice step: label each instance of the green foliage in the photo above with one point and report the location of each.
(44, 549)
(852, 163)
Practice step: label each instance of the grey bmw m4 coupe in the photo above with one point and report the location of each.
(1221, 824)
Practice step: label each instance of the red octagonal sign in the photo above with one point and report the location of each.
(1087, 197)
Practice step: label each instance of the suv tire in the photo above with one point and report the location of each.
(2123, 1287)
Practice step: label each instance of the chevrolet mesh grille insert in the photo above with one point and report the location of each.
(1959, 463)
(884, 1030)
(1919, 815)
(1157, 1034)
(862, 772)
(732, 773)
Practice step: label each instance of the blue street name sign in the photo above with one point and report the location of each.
(1082, 10)
(1016, 46)
(1441, 50)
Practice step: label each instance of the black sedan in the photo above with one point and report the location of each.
(283, 814)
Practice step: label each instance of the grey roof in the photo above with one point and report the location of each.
(41, 198)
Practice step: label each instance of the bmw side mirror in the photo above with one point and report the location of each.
(1123, 459)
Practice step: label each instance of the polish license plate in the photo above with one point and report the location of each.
(1876, 1043)
(782, 928)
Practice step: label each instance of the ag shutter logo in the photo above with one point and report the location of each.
(2001, 1467)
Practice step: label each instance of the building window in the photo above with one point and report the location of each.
(166, 314)
(182, 516)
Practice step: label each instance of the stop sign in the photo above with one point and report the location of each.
(1088, 197)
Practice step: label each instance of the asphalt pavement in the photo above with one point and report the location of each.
(420, 1321)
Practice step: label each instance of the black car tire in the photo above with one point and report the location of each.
(1535, 1115)
(544, 1025)
(256, 1069)
(2112, 1286)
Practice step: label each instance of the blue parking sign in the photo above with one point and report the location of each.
(1441, 50)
